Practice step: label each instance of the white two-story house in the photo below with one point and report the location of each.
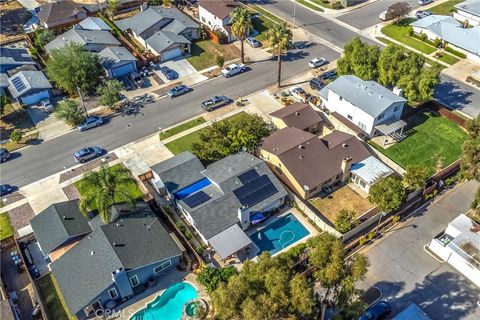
(216, 15)
(366, 105)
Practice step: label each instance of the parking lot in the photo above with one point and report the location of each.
(406, 273)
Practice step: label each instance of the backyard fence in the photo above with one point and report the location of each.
(436, 107)
(364, 225)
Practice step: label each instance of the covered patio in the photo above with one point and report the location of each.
(230, 242)
(392, 129)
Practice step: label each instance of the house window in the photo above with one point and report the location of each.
(161, 267)
(381, 116)
(396, 108)
(362, 184)
(93, 308)
(349, 117)
(362, 126)
(134, 281)
(113, 293)
(203, 19)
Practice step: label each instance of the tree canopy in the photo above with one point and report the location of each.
(110, 92)
(241, 26)
(399, 10)
(211, 278)
(42, 37)
(470, 163)
(388, 194)
(415, 176)
(359, 59)
(72, 66)
(345, 221)
(70, 112)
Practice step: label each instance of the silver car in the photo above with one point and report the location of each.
(178, 91)
(47, 105)
(215, 102)
(86, 154)
(91, 122)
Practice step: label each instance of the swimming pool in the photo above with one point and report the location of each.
(279, 234)
(168, 305)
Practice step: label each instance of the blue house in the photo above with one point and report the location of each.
(117, 62)
(100, 266)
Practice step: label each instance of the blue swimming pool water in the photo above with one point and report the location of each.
(168, 305)
(279, 234)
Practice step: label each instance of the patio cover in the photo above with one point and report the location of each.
(370, 170)
(390, 127)
(229, 241)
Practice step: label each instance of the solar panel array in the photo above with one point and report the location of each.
(255, 191)
(248, 176)
(18, 84)
(196, 199)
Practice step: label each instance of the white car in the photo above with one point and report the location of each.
(317, 62)
(298, 94)
(233, 69)
(47, 105)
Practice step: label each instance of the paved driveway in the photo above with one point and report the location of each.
(406, 273)
(180, 65)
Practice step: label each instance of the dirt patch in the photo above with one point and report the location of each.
(86, 167)
(14, 118)
(71, 192)
(13, 17)
(13, 197)
(21, 216)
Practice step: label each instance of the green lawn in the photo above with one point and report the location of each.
(52, 298)
(432, 140)
(185, 143)
(184, 126)
(267, 14)
(400, 33)
(328, 4)
(310, 5)
(6, 229)
(448, 58)
(445, 8)
(204, 53)
(262, 25)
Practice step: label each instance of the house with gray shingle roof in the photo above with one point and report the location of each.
(117, 61)
(363, 104)
(61, 14)
(451, 31)
(166, 32)
(14, 57)
(29, 87)
(103, 266)
(91, 40)
(93, 23)
(468, 10)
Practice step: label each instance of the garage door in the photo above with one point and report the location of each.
(35, 98)
(170, 54)
(121, 71)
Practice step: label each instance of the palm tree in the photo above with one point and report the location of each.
(241, 25)
(70, 112)
(103, 187)
(280, 37)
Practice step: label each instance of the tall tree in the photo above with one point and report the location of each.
(112, 7)
(345, 221)
(359, 59)
(388, 194)
(470, 163)
(103, 188)
(71, 67)
(241, 26)
(399, 10)
(70, 112)
(415, 176)
(42, 37)
(110, 92)
(280, 38)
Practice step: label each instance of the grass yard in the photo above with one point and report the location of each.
(185, 143)
(310, 5)
(262, 25)
(184, 126)
(205, 52)
(433, 141)
(52, 298)
(6, 229)
(445, 8)
(343, 198)
(447, 58)
(267, 14)
(400, 33)
(328, 4)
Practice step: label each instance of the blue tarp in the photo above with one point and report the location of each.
(185, 192)
(257, 217)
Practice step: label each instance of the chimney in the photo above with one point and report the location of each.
(244, 217)
(346, 165)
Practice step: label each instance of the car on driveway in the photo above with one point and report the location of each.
(5, 189)
(86, 154)
(254, 43)
(423, 13)
(215, 102)
(91, 122)
(168, 73)
(376, 312)
(47, 105)
(233, 69)
(317, 62)
(329, 75)
(299, 94)
(178, 91)
(317, 84)
(424, 2)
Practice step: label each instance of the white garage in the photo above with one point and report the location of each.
(171, 54)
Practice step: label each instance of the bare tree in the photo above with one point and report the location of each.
(399, 10)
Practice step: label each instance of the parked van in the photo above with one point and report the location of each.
(386, 15)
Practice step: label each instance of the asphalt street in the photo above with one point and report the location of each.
(36, 162)
(406, 273)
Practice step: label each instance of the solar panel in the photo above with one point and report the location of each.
(248, 176)
(255, 191)
(196, 199)
(18, 84)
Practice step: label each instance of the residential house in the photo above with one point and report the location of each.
(14, 57)
(3, 83)
(216, 15)
(451, 31)
(468, 11)
(360, 106)
(61, 14)
(220, 201)
(29, 87)
(166, 32)
(459, 246)
(100, 266)
(117, 61)
(93, 23)
(91, 40)
(309, 164)
(298, 115)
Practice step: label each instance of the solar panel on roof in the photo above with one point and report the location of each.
(196, 199)
(18, 84)
(255, 191)
(248, 176)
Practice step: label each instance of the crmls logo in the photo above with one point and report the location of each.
(112, 314)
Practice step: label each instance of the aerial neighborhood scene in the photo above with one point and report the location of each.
(240, 159)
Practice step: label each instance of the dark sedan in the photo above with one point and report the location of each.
(5, 189)
(376, 312)
(168, 73)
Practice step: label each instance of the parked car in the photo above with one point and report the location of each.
(135, 76)
(329, 75)
(299, 94)
(34, 271)
(317, 62)
(423, 13)
(317, 84)
(376, 312)
(233, 69)
(4, 154)
(168, 73)
(90, 122)
(215, 102)
(424, 2)
(386, 15)
(178, 91)
(254, 43)
(47, 105)
(5, 189)
(86, 154)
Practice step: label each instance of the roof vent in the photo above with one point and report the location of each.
(64, 217)
(229, 168)
(114, 244)
(92, 253)
(344, 145)
(302, 156)
(301, 147)
(297, 113)
(381, 97)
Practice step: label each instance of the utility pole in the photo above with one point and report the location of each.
(294, 12)
(81, 101)
(383, 214)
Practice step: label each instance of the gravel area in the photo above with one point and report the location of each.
(20, 216)
(71, 192)
(86, 167)
(13, 197)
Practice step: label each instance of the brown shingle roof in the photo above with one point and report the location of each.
(298, 115)
(219, 8)
(55, 11)
(313, 160)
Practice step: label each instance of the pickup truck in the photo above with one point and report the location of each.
(233, 69)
